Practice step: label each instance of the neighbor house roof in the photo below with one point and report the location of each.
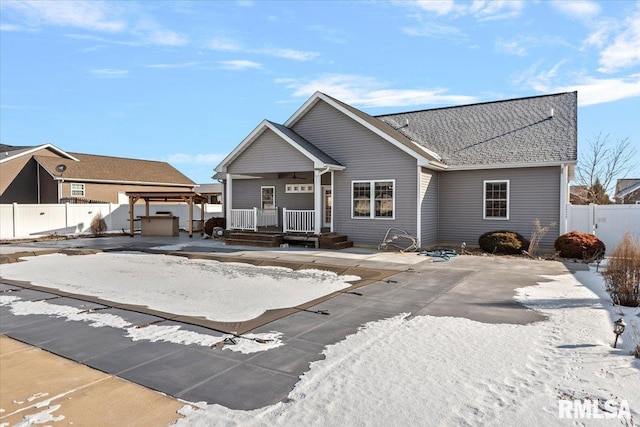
(624, 187)
(11, 152)
(94, 168)
(534, 130)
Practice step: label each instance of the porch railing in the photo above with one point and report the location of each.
(244, 219)
(251, 219)
(301, 221)
(267, 217)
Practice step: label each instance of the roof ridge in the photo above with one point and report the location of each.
(117, 157)
(377, 116)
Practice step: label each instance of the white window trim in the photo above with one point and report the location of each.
(84, 189)
(484, 199)
(372, 198)
(274, 195)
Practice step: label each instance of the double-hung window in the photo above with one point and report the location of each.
(496, 199)
(373, 199)
(77, 189)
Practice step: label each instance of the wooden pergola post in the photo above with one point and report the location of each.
(190, 201)
(132, 202)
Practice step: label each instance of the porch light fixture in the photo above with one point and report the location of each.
(618, 329)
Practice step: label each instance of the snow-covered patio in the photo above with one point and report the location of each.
(407, 369)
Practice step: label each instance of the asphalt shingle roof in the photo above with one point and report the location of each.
(114, 169)
(515, 131)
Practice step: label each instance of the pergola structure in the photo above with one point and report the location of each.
(188, 197)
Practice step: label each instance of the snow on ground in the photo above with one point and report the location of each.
(247, 343)
(226, 292)
(451, 371)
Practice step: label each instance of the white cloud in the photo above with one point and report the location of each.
(230, 45)
(540, 81)
(200, 159)
(512, 47)
(482, 10)
(521, 45)
(432, 29)
(496, 9)
(91, 15)
(295, 55)
(577, 9)
(593, 91)
(109, 73)
(224, 44)
(625, 50)
(239, 65)
(440, 7)
(367, 92)
(178, 65)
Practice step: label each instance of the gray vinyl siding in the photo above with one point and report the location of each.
(534, 193)
(246, 193)
(366, 156)
(429, 206)
(269, 153)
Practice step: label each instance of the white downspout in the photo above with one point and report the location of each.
(564, 201)
(333, 200)
(419, 209)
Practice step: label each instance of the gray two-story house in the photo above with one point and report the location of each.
(444, 175)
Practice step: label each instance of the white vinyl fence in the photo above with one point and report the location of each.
(23, 221)
(607, 222)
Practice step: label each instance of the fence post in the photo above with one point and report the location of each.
(15, 216)
(255, 219)
(284, 220)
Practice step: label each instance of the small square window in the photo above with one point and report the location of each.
(496, 199)
(77, 190)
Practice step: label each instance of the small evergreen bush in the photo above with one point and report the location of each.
(579, 245)
(503, 242)
(622, 276)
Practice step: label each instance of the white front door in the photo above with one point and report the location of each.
(327, 203)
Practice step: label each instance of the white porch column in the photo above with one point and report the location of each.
(227, 200)
(317, 201)
(333, 201)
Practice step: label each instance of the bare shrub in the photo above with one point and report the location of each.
(537, 234)
(622, 276)
(98, 225)
(503, 242)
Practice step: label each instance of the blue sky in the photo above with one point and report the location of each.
(186, 81)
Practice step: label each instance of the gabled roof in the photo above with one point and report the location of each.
(535, 130)
(424, 155)
(313, 153)
(10, 152)
(93, 168)
(624, 187)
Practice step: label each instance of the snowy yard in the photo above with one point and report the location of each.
(451, 371)
(404, 370)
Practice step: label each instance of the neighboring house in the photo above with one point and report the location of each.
(628, 191)
(212, 192)
(444, 175)
(579, 195)
(47, 174)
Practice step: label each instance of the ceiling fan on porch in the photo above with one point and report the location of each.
(293, 176)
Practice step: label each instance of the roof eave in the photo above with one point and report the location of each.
(511, 165)
(41, 147)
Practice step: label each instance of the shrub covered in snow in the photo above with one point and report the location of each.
(623, 272)
(503, 242)
(579, 245)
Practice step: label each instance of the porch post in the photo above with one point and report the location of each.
(227, 201)
(333, 200)
(317, 201)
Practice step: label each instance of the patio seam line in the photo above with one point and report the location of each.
(198, 384)
(118, 373)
